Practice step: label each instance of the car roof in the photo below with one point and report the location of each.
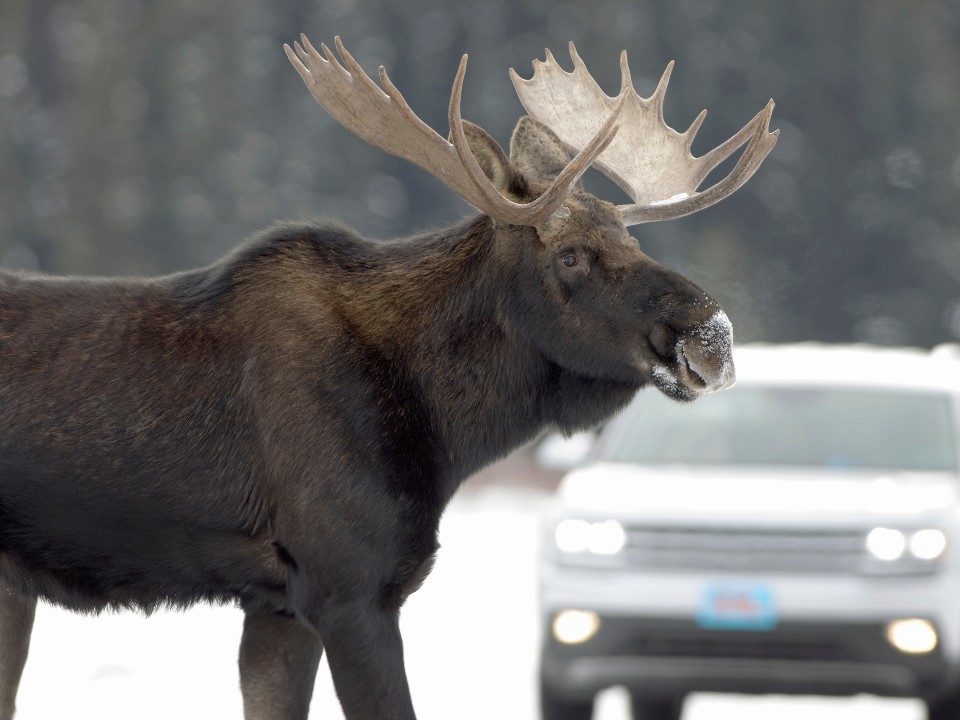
(820, 363)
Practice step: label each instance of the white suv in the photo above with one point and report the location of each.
(795, 534)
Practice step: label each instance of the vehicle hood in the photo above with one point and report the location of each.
(763, 494)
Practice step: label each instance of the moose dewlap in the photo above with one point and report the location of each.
(283, 428)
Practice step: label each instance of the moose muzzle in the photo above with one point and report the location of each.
(705, 355)
(702, 360)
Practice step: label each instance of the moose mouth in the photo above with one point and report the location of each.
(703, 362)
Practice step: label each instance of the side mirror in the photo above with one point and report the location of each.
(559, 453)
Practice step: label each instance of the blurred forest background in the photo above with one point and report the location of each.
(145, 137)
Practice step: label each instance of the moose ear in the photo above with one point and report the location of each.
(494, 162)
(537, 152)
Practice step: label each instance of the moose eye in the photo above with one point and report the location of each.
(569, 260)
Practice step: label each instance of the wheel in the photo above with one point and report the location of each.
(656, 708)
(555, 707)
(945, 707)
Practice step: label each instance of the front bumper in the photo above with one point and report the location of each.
(669, 656)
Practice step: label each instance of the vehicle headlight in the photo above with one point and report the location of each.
(890, 544)
(928, 544)
(606, 537)
(886, 543)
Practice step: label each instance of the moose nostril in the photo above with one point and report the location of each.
(708, 372)
(695, 371)
(663, 341)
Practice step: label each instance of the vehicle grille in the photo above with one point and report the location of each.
(765, 646)
(745, 550)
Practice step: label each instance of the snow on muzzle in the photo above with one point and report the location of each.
(707, 352)
(704, 360)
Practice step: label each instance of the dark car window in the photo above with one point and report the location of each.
(829, 426)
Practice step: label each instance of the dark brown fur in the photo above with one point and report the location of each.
(284, 428)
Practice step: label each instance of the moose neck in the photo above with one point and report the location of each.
(486, 389)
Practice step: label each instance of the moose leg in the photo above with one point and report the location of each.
(365, 653)
(278, 665)
(16, 622)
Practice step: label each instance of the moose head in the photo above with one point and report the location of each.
(580, 288)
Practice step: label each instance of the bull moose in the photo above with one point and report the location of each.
(283, 428)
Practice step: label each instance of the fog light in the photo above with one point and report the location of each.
(913, 636)
(575, 626)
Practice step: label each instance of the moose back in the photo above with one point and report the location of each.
(284, 428)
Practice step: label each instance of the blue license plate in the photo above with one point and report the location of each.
(737, 606)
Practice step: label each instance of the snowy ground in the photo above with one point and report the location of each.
(470, 634)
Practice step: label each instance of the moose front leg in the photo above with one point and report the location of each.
(17, 611)
(365, 653)
(278, 665)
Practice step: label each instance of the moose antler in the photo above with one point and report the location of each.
(383, 119)
(648, 159)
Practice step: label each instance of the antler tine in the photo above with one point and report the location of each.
(661, 91)
(691, 132)
(725, 149)
(383, 118)
(462, 146)
(648, 159)
(578, 63)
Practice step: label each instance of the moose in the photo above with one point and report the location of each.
(283, 428)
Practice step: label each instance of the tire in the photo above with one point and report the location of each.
(945, 707)
(555, 707)
(656, 708)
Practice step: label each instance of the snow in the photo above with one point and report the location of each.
(666, 378)
(672, 199)
(716, 333)
(470, 635)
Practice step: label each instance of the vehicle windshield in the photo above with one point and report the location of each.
(803, 426)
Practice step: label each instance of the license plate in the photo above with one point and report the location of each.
(736, 606)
